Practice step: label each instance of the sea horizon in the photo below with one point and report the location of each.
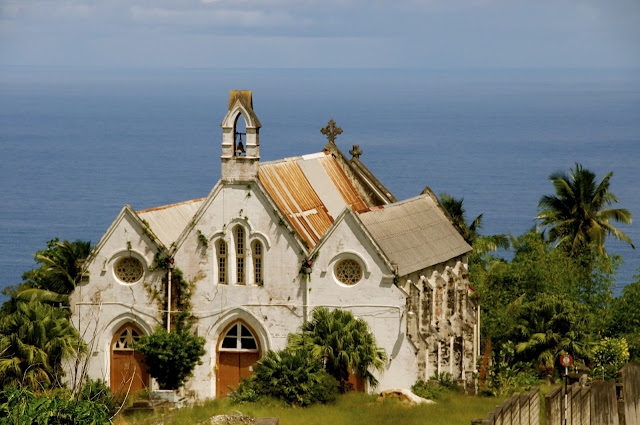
(80, 145)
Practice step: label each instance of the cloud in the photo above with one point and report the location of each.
(411, 33)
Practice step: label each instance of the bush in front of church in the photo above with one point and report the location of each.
(295, 377)
(171, 356)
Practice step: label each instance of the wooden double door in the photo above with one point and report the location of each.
(238, 351)
(128, 371)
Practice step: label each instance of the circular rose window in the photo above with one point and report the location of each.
(348, 272)
(129, 269)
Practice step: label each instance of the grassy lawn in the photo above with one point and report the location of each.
(354, 408)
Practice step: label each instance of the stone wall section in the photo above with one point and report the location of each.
(442, 321)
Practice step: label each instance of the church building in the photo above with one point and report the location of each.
(269, 243)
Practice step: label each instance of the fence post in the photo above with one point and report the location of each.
(553, 406)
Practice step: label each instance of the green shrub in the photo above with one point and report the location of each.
(428, 389)
(445, 380)
(171, 356)
(21, 406)
(608, 358)
(98, 391)
(296, 377)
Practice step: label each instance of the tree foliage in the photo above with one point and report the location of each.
(33, 342)
(544, 301)
(609, 356)
(624, 318)
(59, 271)
(549, 326)
(60, 266)
(296, 377)
(470, 231)
(577, 215)
(171, 356)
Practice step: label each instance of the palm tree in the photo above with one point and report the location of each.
(294, 376)
(470, 232)
(34, 340)
(61, 264)
(344, 343)
(59, 273)
(577, 215)
(549, 326)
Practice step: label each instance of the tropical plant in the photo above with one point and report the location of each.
(506, 375)
(60, 266)
(470, 230)
(59, 272)
(624, 318)
(535, 269)
(34, 340)
(296, 377)
(550, 325)
(22, 406)
(609, 355)
(577, 215)
(97, 391)
(345, 345)
(171, 356)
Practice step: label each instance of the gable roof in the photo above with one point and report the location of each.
(168, 221)
(310, 190)
(379, 193)
(415, 233)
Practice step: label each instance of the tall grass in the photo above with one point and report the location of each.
(350, 409)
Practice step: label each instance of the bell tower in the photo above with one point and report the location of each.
(240, 150)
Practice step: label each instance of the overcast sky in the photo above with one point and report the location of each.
(321, 33)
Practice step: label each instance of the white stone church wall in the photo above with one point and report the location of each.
(103, 304)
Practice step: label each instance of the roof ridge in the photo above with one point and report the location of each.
(162, 207)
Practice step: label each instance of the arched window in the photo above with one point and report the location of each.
(126, 338)
(222, 262)
(239, 337)
(258, 264)
(239, 235)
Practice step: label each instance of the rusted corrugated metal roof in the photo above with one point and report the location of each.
(414, 233)
(342, 183)
(310, 190)
(168, 221)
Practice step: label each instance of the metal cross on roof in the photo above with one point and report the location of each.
(331, 131)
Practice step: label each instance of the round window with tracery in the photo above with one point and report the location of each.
(348, 272)
(129, 269)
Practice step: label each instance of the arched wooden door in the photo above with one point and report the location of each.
(128, 372)
(238, 350)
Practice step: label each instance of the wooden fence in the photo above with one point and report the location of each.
(517, 410)
(600, 403)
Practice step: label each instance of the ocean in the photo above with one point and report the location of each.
(78, 144)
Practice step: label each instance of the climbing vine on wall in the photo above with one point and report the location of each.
(202, 239)
(181, 290)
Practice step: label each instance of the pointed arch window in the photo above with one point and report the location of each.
(258, 264)
(240, 250)
(125, 340)
(239, 338)
(222, 262)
